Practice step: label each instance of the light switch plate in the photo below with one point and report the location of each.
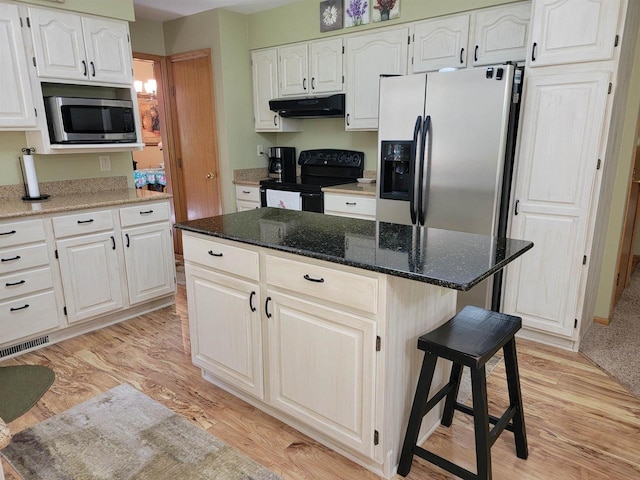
(105, 163)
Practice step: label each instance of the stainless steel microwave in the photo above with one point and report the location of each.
(90, 120)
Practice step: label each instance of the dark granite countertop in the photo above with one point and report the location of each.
(442, 257)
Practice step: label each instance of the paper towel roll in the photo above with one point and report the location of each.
(30, 174)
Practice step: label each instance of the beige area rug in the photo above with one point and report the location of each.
(616, 347)
(121, 435)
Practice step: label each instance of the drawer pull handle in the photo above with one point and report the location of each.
(80, 222)
(351, 204)
(214, 254)
(8, 233)
(253, 294)
(246, 191)
(266, 307)
(317, 280)
(126, 235)
(146, 212)
(113, 242)
(15, 309)
(14, 283)
(17, 257)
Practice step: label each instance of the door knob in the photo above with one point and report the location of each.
(211, 175)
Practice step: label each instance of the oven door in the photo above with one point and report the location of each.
(311, 201)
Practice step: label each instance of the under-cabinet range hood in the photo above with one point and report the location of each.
(309, 107)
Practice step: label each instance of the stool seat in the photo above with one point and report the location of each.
(469, 339)
(472, 337)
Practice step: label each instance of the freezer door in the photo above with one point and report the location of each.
(401, 109)
(464, 159)
(469, 112)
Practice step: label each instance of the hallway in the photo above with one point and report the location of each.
(616, 347)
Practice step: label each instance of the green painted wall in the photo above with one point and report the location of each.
(66, 167)
(300, 21)
(147, 36)
(618, 202)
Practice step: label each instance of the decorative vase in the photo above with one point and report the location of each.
(384, 15)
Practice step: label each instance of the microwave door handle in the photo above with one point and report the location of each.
(425, 170)
(415, 178)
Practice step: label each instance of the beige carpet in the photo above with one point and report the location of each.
(616, 347)
(125, 435)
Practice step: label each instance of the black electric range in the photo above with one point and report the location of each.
(318, 168)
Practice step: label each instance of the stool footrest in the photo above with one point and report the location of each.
(492, 419)
(444, 463)
(503, 422)
(443, 392)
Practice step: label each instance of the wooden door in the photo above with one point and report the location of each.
(632, 218)
(194, 145)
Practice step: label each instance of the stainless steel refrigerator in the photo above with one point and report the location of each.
(446, 144)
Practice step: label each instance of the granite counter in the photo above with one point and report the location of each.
(16, 208)
(441, 257)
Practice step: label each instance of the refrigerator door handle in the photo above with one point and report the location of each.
(425, 170)
(414, 187)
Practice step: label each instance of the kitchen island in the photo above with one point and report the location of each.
(314, 318)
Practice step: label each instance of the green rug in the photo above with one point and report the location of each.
(125, 435)
(21, 386)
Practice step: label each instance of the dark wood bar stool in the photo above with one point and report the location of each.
(469, 339)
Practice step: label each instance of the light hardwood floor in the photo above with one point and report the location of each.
(580, 423)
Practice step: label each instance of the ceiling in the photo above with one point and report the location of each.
(163, 10)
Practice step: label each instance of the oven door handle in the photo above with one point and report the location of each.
(310, 194)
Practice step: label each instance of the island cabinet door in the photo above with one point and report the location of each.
(322, 368)
(224, 322)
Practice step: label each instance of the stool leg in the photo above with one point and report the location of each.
(450, 403)
(481, 422)
(515, 398)
(415, 417)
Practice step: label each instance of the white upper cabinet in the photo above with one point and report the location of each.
(264, 64)
(311, 68)
(570, 31)
(440, 43)
(500, 34)
(72, 47)
(294, 70)
(367, 57)
(16, 101)
(326, 66)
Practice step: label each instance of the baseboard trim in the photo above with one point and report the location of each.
(601, 320)
(635, 261)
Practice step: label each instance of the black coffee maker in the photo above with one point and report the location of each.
(282, 164)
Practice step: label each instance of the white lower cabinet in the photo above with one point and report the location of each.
(91, 275)
(224, 319)
(27, 299)
(247, 198)
(354, 206)
(338, 399)
(328, 349)
(148, 254)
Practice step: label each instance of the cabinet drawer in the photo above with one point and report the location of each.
(350, 289)
(141, 214)
(221, 256)
(17, 233)
(27, 316)
(14, 259)
(350, 204)
(247, 193)
(23, 283)
(82, 223)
